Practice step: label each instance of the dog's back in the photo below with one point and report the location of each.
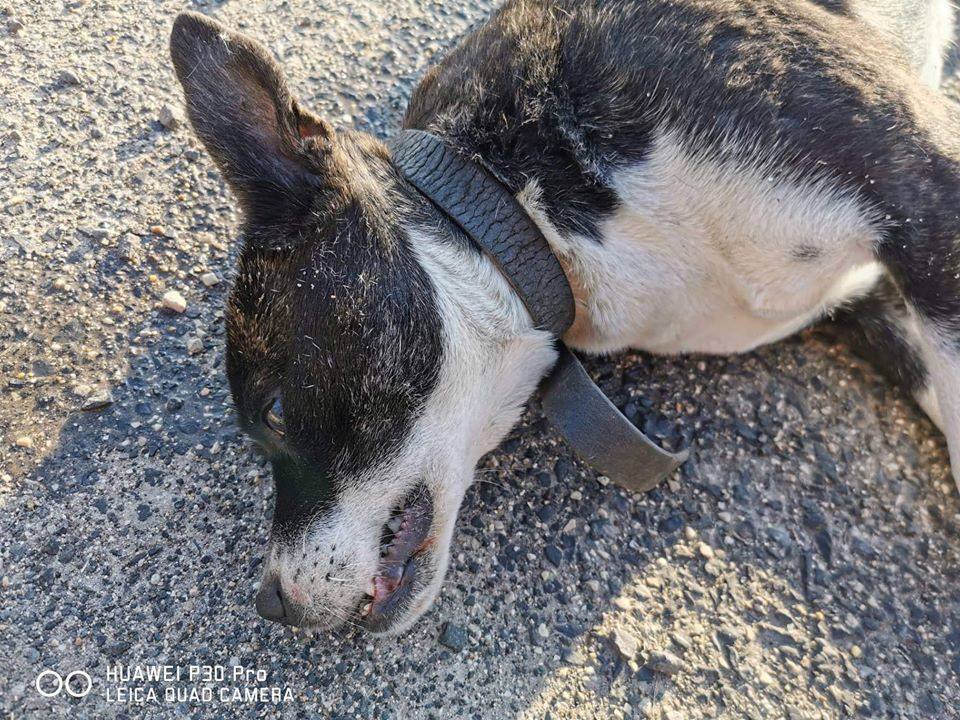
(922, 28)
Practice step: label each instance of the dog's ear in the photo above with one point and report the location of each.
(270, 150)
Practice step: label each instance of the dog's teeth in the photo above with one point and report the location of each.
(366, 609)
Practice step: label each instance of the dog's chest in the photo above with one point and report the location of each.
(710, 256)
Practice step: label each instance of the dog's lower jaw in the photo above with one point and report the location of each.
(423, 601)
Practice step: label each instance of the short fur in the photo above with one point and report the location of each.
(713, 175)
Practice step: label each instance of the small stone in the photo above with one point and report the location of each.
(169, 117)
(24, 441)
(453, 637)
(705, 550)
(593, 585)
(553, 554)
(69, 78)
(856, 651)
(575, 657)
(174, 301)
(97, 400)
(115, 650)
(194, 346)
(14, 26)
(543, 631)
(664, 662)
(129, 249)
(95, 232)
(626, 643)
(82, 390)
(210, 279)
(60, 283)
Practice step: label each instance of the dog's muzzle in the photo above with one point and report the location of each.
(471, 196)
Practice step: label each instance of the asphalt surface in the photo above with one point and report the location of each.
(805, 563)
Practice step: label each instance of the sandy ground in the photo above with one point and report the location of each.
(803, 564)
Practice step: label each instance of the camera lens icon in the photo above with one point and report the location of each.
(50, 683)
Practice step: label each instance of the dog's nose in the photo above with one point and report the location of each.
(272, 604)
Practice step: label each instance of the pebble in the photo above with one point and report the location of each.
(24, 441)
(553, 554)
(681, 640)
(169, 117)
(705, 550)
(97, 400)
(194, 346)
(210, 279)
(575, 657)
(626, 643)
(82, 390)
(69, 77)
(174, 301)
(664, 662)
(453, 636)
(129, 248)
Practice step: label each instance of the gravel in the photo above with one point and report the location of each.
(804, 563)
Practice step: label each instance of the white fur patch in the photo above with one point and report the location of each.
(942, 360)
(714, 256)
(921, 29)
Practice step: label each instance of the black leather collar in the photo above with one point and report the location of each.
(491, 217)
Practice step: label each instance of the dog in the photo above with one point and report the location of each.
(712, 175)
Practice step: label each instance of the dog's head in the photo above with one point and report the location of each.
(371, 352)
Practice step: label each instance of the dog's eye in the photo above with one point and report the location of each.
(273, 416)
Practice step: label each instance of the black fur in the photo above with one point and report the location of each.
(328, 299)
(874, 327)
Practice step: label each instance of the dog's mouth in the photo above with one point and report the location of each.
(404, 549)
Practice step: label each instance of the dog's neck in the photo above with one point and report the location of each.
(505, 100)
(515, 113)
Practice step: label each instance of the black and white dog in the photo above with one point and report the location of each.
(712, 174)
